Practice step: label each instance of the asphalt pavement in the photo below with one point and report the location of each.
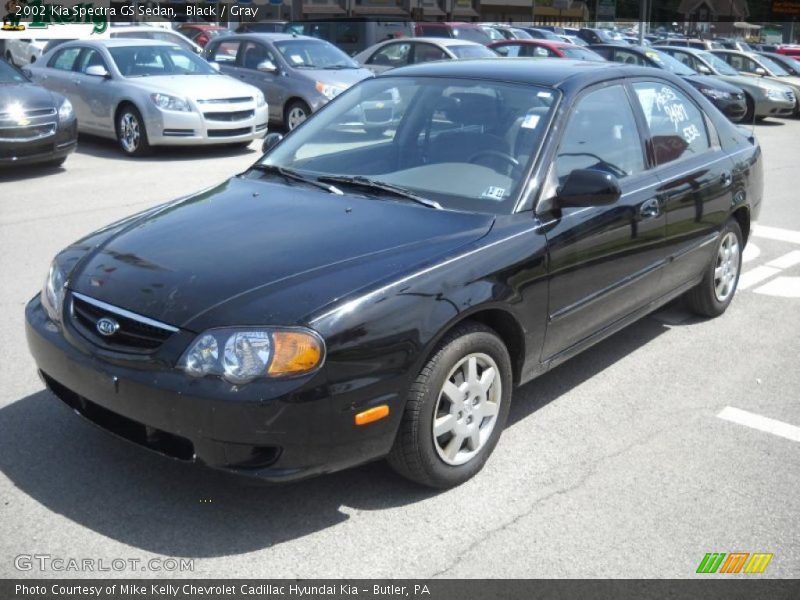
(672, 439)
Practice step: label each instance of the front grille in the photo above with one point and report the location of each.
(135, 334)
(790, 95)
(239, 115)
(28, 114)
(229, 132)
(162, 442)
(27, 133)
(226, 100)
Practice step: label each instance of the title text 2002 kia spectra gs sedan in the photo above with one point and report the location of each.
(352, 296)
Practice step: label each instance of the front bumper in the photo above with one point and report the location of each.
(274, 430)
(733, 108)
(233, 123)
(772, 107)
(38, 150)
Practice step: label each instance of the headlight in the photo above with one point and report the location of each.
(167, 102)
(243, 354)
(329, 91)
(260, 100)
(53, 292)
(716, 94)
(774, 94)
(65, 111)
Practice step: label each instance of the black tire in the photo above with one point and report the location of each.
(142, 146)
(751, 109)
(52, 164)
(703, 298)
(414, 454)
(292, 109)
(9, 58)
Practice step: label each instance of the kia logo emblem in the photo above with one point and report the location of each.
(106, 326)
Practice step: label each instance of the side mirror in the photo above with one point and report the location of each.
(761, 71)
(267, 66)
(98, 71)
(588, 187)
(215, 66)
(270, 141)
(703, 69)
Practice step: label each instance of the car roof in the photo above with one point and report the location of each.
(447, 42)
(686, 49)
(270, 37)
(545, 72)
(119, 42)
(526, 42)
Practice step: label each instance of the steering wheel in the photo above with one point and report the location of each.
(504, 156)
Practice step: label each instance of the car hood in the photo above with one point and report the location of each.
(197, 87)
(341, 77)
(251, 251)
(712, 82)
(30, 96)
(749, 83)
(791, 81)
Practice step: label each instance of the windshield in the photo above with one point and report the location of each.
(719, 65)
(665, 61)
(463, 143)
(314, 54)
(581, 53)
(152, 61)
(473, 34)
(472, 51)
(9, 74)
(774, 67)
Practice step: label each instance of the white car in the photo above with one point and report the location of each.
(410, 51)
(144, 93)
(23, 52)
(151, 32)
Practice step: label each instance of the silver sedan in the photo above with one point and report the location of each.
(146, 93)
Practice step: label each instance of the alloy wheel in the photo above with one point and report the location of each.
(129, 132)
(296, 116)
(467, 408)
(727, 267)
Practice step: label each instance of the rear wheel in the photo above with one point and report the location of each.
(751, 109)
(456, 409)
(714, 294)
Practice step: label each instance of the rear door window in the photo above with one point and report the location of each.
(64, 60)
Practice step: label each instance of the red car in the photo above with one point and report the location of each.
(201, 33)
(543, 49)
(793, 51)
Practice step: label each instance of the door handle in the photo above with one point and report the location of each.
(650, 209)
(726, 179)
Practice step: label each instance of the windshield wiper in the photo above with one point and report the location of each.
(379, 186)
(295, 176)
(338, 67)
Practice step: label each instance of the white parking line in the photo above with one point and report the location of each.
(786, 261)
(776, 233)
(784, 287)
(754, 421)
(754, 276)
(751, 252)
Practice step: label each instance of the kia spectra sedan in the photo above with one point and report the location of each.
(147, 93)
(352, 296)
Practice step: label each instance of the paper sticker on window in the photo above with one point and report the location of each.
(296, 59)
(494, 193)
(544, 95)
(530, 122)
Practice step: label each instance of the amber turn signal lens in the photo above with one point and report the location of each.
(294, 353)
(373, 414)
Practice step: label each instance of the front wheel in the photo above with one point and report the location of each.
(131, 132)
(296, 113)
(456, 409)
(712, 296)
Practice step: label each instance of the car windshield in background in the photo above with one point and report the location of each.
(9, 74)
(665, 61)
(719, 65)
(472, 51)
(312, 54)
(152, 61)
(774, 67)
(464, 144)
(581, 54)
(473, 34)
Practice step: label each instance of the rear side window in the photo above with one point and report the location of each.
(64, 60)
(391, 55)
(677, 126)
(601, 134)
(428, 53)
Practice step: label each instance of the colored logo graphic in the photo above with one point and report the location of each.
(734, 562)
(11, 21)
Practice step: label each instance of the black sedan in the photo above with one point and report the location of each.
(351, 296)
(37, 126)
(726, 97)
